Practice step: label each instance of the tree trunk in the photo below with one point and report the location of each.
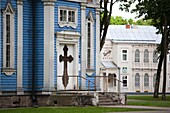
(165, 59)
(157, 82)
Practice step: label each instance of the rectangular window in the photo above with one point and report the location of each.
(124, 55)
(67, 17)
(124, 79)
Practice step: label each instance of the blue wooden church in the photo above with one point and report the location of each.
(48, 46)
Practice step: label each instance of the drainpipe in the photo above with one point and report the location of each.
(34, 100)
(119, 91)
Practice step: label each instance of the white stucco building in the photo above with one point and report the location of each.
(129, 55)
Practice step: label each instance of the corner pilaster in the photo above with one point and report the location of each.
(98, 44)
(19, 47)
(48, 45)
(83, 43)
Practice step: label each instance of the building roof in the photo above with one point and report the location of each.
(134, 34)
(108, 64)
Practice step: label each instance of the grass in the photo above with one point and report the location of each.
(148, 100)
(148, 97)
(68, 110)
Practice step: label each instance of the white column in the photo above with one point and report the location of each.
(83, 43)
(48, 45)
(98, 45)
(19, 46)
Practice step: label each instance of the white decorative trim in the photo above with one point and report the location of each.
(63, 38)
(19, 47)
(48, 46)
(66, 23)
(97, 42)
(8, 70)
(83, 43)
(68, 35)
(91, 21)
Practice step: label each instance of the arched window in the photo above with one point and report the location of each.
(137, 55)
(154, 80)
(155, 57)
(137, 80)
(90, 41)
(146, 80)
(146, 55)
(8, 39)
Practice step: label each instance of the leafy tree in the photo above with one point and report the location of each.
(159, 12)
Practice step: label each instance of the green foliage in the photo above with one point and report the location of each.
(119, 20)
(68, 110)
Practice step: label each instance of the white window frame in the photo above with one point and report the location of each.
(124, 54)
(67, 23)
(124, 77)
(8, 70)
(137, 55)
(90, 20)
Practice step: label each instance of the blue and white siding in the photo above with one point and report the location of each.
(8, 83)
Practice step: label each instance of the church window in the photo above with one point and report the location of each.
(124, 55)
(124, 79)
(90, 41)
(67, 17)
(155, 56)
(137, 80)
(8, 38)
(146, 55)
(154, 80)
(124, 69)
(137, 55)
(146, 80)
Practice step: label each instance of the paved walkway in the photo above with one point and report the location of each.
(155, 109)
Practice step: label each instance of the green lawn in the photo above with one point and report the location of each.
(67, 110)
(148, 100)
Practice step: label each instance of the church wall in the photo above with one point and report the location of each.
(39, 44)
(8, 83)
(27, 45)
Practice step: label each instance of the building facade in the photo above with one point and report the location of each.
(130, 51)
(33, 36)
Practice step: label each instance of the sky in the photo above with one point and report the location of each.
(126, 15)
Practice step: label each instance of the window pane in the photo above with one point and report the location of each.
(154, 80)
(7, 28)
(88, 58)
(124, 57)
(63, 15)
(124, 79)
(8, 56)
(146, 55)
(137, 55)
(71, 16)
(155, 56)
(137, 80)
(146, 80)
(89, 35)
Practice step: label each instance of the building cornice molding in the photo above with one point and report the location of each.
(49, 2)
